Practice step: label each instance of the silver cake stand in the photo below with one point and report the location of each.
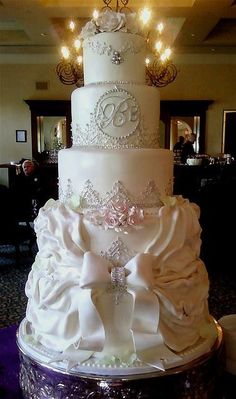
(198, 379)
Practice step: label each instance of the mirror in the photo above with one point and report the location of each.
(183, 117)
(185, 126)
(51, 133)
(50, 127)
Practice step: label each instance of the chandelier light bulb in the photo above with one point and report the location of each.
(72, 26)
(145, 16)
(77, 44)
(147, 61)
(160, 27)
(79, 59)
(95, 14)
(65, 52)
(163, 57)
(167, 52)
(158, 45)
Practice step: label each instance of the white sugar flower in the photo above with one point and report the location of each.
(88, 30)
(110, 21)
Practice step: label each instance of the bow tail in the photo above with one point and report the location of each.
(92, 334)
(147, 338)
(91, 326)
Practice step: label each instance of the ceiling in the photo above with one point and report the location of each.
(194, 26)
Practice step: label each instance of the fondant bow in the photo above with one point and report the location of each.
(145, 317)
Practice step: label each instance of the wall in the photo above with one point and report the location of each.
(208, 80)
(17, 83)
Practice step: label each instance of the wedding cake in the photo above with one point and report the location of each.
(117, 286)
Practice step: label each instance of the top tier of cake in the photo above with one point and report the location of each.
(114, 57)
(113, 49)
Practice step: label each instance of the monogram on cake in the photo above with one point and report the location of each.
(117, 286)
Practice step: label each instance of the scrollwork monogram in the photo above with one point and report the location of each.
(117, 113)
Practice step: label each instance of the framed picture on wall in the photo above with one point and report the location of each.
(21, 136)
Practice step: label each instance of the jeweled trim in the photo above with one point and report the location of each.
(118, 253)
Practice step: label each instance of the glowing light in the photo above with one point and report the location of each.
(158, 45)
(147, 61)
(162, 58)
(95, 14)
(77, 44)
(72, 26)
(145, 15)
(65, 52)
(160, 27)
(167, 52)
(79, 59)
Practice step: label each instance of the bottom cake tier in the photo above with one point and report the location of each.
(196, 379)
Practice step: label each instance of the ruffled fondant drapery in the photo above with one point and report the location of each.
(168, 284)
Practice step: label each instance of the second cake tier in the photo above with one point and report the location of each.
(116, 116)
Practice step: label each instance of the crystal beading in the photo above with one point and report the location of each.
(118, 254)
(118, 283)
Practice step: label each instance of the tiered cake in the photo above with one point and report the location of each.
(117, 286)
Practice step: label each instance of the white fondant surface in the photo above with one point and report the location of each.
(99, 49)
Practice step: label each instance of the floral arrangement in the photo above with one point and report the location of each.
(111, 21)
(118, 216)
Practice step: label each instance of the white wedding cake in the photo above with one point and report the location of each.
(117, 283)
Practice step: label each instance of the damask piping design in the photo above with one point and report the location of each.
(106, 49)
(90, 198)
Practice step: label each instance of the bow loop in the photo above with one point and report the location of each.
(140, 268)
(95, 271)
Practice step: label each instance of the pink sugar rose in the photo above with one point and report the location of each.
(119, 206)
(135, 216)
(117, 216)
(111, 220)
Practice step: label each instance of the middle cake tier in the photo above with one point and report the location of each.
(120, 115)
(94, 176)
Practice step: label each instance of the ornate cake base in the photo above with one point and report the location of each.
(196, 380)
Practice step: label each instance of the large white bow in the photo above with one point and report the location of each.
(147, 339)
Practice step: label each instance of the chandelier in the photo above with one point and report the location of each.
(160, 71)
